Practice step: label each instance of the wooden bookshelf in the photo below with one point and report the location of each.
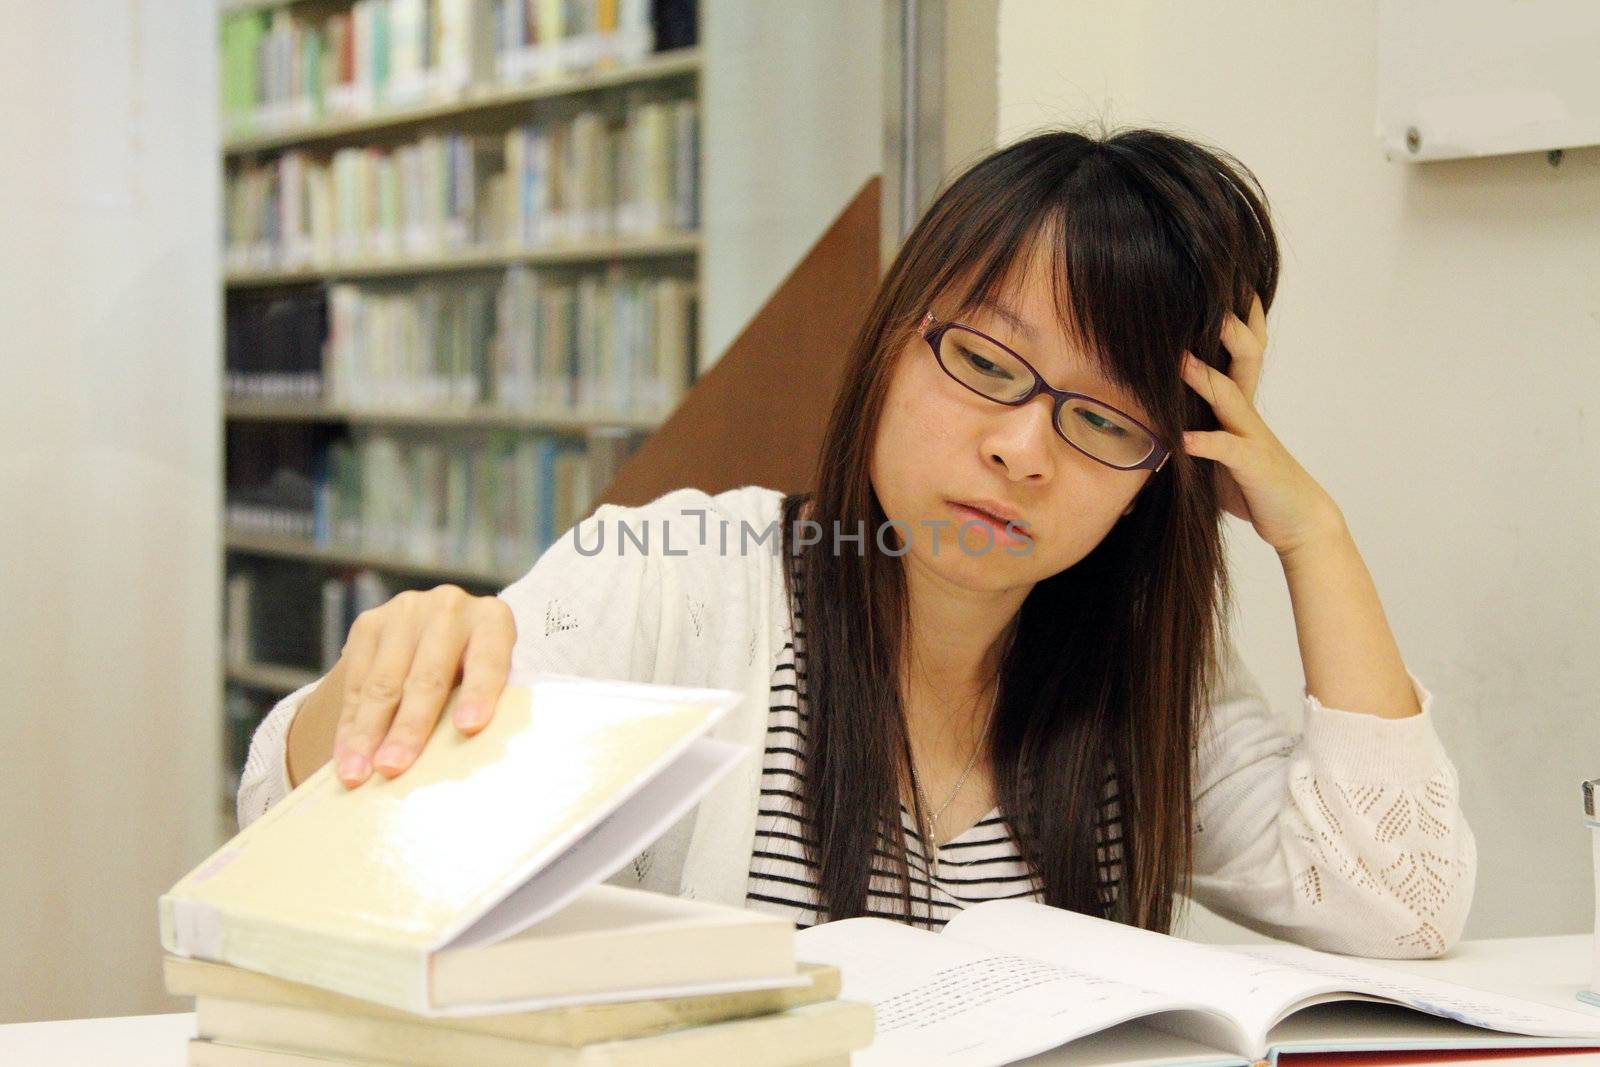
(622, 248)
(300, 549)
(240, 7)
(486, 418)
(488, 107)
(478, 102)
(270, 676)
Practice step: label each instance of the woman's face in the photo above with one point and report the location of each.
(939, 443)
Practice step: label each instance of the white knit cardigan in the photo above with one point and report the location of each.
(1348, 837)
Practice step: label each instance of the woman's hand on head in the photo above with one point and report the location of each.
(1261, 482)
(402, 659)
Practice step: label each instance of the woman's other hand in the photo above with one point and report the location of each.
(1260, 481)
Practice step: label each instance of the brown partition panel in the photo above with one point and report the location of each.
(757, 416)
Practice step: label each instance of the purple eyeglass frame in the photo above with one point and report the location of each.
(933, 330)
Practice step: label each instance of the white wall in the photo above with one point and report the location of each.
(1432, 362)
(109, 488)
(791, 100)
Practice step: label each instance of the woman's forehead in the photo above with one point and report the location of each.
(1013, 319)
(1022, 303)
(1035, 330)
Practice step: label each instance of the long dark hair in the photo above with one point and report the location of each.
(1110, 662)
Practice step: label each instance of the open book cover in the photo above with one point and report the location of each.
(446, 890)
(1009, 979)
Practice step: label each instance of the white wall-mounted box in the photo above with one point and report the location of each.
(1462, 78)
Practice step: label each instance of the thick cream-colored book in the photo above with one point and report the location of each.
(579, 1024)
(203, 1053)
(796, 1036)
(454, 888)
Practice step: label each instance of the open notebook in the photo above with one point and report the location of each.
(460, 886)
(1008, 979)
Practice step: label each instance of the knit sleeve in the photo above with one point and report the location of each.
(1347, 837)
(265, 778)
(586, 607)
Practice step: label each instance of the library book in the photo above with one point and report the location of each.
(470, 885)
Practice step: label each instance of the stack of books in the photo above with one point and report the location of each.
(246, 1017)
(458, 914)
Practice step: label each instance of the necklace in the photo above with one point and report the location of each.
(933, 818)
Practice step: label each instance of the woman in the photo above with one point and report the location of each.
(991, 658)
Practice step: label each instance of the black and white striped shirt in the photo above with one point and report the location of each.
(980, 864)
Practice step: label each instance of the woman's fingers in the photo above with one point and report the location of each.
(1232, 408)
(427, 686)
(401, 661)
(379, 692)
(1258, 320)
(1248, 349)
(486, 664)
(359, 648)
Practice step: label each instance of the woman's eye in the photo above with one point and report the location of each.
(983, 366)
(1101, 423)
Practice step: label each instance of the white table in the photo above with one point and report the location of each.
(1546, 969)
(121, 1040)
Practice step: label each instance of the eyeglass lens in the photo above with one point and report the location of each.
(994, 372)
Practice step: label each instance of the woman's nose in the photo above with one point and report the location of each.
(1022, 439)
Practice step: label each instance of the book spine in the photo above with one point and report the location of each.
(1589, 789)
(240, 588)
(385, 973)
(334, 595)
(546, 491)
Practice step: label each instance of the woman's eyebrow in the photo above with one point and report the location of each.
(1010, 317)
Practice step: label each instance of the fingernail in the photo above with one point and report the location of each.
(389, 757)
(353, 766)
(469, 716)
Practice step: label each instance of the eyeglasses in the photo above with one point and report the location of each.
(995, 372)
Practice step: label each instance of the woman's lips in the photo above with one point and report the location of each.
(1002, 536)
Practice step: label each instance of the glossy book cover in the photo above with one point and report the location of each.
(353, 890)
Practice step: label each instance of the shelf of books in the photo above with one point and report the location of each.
(461, 259)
